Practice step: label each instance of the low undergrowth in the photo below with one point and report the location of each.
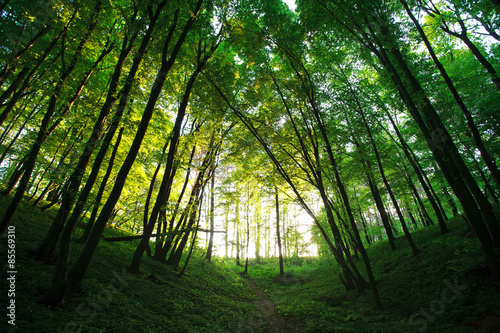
(208, 298)
(446, 288)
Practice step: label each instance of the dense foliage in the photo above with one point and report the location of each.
(237, 119)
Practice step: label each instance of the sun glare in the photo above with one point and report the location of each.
(291, 4)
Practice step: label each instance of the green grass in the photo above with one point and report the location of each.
(312, 292)
(208, 298)
(214, 298)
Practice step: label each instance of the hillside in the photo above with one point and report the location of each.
(208, 298)
(448, 283)
(446, 288)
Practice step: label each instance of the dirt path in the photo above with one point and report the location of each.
(267, 318)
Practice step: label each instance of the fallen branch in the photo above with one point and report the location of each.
(128, 238)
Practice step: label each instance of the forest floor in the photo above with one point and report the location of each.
(267, 317)
(446, 288)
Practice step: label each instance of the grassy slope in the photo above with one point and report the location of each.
(212, 298)
(312, 292)
(208, 298)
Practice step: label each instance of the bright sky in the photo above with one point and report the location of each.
(303, 222)
(291, 4)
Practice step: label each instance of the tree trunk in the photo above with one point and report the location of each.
(475, 51)
(414, 248)
(44, 126)
(100, 192)
(165, 187)
(458, 99)
(159, 240)
(48, 246)
(31, 115)
(237, 227)
(482, 220)
(433, 199)
(245, 271)
(193, 242)
(11, 65)
(278, 235)
(62, 285)
(46, 170)
(212, 223)
(195, 207)
(162, 247)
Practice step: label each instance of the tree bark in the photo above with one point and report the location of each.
(488, 160)
(62, 284)
(48, 246)
(481, 220)
(165, 187)
(100, 192)
(212, 222)
(278, 234)
(43, 130)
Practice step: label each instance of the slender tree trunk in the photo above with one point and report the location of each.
(245, 271)
(9, 127)
(226, 227)
(176, 234)
(410, 215)
(61, 283)
(237, 227)
(27, 80)
(165, 187)
(100, 193)
(414, 248)
(193, 242)
(59, 166)
(12, 64)
(162, 248)
(379, 203)
(278, 235)
(159, 239)
(475, 51)
(48, 246)
(479, 212)
(490, 162)
(43, 130)
(368, 237)
(196, 200)
(46, 170)
(212, 222)
(257, 223)
(13, 86)
(32, 114)
(429, 191)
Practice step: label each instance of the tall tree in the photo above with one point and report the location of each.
(30, 161)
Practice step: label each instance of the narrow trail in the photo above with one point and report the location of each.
(267, 318)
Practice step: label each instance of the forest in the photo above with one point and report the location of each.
(250, 165)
